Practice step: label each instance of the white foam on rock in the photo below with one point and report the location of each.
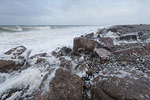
(46, 87)
(120, 72)
(30, 77)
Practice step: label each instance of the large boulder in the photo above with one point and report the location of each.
(121, 87)
(82, 43)
(8, 65)
(12, 59)
(63, 86)
(107, 42)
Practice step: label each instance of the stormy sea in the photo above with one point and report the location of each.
(41, 38)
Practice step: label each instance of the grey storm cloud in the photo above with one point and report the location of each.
(74, 12)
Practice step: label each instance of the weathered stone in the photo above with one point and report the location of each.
(128, 37)
(64, 86)
(107, 42)
(102, 53)
(113, 88)
(12, 59)
(131, 50)
(90, 36)
(131, 53)
(65, 63)
(39, 55)
(56, 54)
(8, 65)
(84, 44)
(101, 31)
(39, 58)
(113, 30)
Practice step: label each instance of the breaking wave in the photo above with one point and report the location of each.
(23, 28)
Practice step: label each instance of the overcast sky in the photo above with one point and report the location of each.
(74, 12)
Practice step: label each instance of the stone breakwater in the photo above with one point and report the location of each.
(112, 64)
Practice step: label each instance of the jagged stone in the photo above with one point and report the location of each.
(114, 88)
(84, 44)
(8, 65)
(64, 86)
(12, 59)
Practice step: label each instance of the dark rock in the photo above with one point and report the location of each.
(56, 54)
(132, 54)
(101, 31)
(131, 50)
(114, 88)
(64, 86)
(65, 51)
(39, 55)
(39, 58)
(12, 59)
(65, 63)
(113, 30)
(128, 37)
(83, 43)
(106, 42)
(8, 65)
(90, 36)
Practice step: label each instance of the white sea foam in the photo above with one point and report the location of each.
(30, 77)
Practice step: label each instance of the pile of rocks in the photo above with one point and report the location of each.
(94, 69)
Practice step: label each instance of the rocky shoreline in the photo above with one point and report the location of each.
(111, 64)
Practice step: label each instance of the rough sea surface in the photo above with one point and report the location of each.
(41, 38)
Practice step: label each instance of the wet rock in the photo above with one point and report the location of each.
(101, 31)
(84, 44)
(39, 55)
(8, 65)
(81, 69)
(106, 42)
(13, 59)
(64, 86)
(65, 63)
(102, 53)
(90, 36)
(15, 52)
(132, 54)
(56, 54)
(131, 50)
(113, 30)
(113, 88)
(64, 51)
(128, 37)
(39, 58)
